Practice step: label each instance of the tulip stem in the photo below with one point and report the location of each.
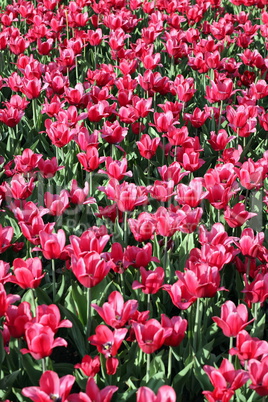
(125, 228)
(34, 301)
(148, 301)
(88, 311)
(148, 368)
(196, 324)
(230, 347)
(34, 112)
(53, 279)
(169, 362)
(44, 364)
(90, 184)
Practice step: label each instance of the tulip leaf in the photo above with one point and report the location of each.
(76, 331)
(80, 301)
(2, 350)
(181, 377)
(42, 296)
(258, 326)
(7, 382)
(31, 367)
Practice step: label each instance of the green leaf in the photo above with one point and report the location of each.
(7, 382)
(76, 331)
(180, 378)
(32, 369)
(80, 300)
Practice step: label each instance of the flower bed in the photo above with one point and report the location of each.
(133, 196)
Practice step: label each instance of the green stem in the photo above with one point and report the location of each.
(125, 228)
(169, 362)
(43, 364)
(34, 301)
(148, 301)
(230, 347)
(90, 184)
(53, 279)
(88, 311)
(196, 324)
(148, 368)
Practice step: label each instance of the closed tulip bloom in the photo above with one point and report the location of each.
(52, 244)
(164, 394)
(233, 319)
(143, 228)
(40, 340)
(89, 366)
(90, 269)
(147, 146)
(258, 372)
(250, 245)
(27, 273)
(17, 317)
(192, 194)
(6, 300)
(180, 295)
(51, 388)
(150, 336)
(151, 281)
(178, 326)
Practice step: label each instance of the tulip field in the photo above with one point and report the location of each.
(133, 200)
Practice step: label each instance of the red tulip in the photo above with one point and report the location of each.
(164, 394)
(17, 317)
(143, 228)
(49, 167)
(237, 215)
(93, 393)
(40, 340)
(151, 281)
(51, 388)
(233, 319)
(49, 315)
(115, 312)
(90, 366)
(178, 326)
(90, 269)
(26, 162)
(151, 335)
(147, 146)
(248, 348)
(108, 342)
(225, 379)
(6, 300)
(52, 244)
(258, 375)
(27, 273)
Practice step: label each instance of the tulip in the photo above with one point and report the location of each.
(151, 335)
(93, 393)
(233, 319)
(90, 366)
(115, 312)
(51, 388)
(40, 340)
(27, 273)
(164, 394)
